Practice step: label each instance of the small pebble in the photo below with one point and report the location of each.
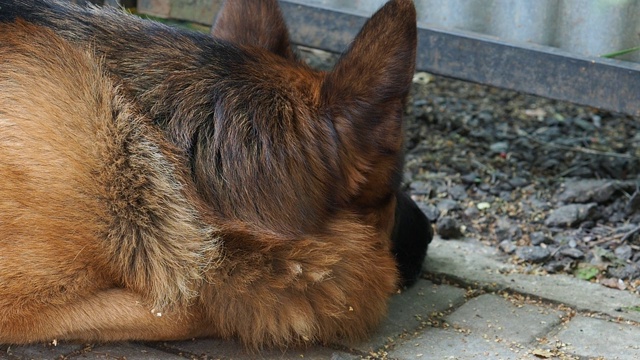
(506, 196)
(630, 271)
(623, 252)
(538, 237)
(518, 182)
(533, 254)
(431, 212)
(499, 147)
(554, 266)
(471, 212)
(448, 228)
(420, 188)
(507, 246)
(570, 215)
(470, 178)
(572, 253)
(458, 192)
(448, 205)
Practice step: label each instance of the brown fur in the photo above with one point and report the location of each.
(131, 208)
(254, 23)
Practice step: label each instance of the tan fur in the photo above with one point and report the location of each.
(91, 195)
(111, 230)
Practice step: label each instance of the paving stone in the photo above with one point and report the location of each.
(223, 349)
(437, 343)
(41, 351)
(493, 317)
(590, 337)
(128, 351)
(123, 350)
(408, 309)
(475, 264)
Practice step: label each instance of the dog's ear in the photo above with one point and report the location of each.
(253, 23)
(364, 97)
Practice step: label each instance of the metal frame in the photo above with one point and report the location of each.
(540, 70)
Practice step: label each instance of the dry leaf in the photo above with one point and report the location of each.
(542, 353)
(614, 283)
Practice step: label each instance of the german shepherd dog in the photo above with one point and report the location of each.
(158, 184)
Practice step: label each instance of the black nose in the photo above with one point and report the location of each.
(411, 236)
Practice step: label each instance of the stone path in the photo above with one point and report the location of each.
(474, 307)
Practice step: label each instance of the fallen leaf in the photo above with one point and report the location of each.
(614, 283)
(542, 353)
(586, 273)
(538, 113)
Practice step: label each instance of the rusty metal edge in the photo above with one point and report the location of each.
(539, 70)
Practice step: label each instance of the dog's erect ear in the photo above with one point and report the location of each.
(253, 23)
(364, 97)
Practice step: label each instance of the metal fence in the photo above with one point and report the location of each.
(551, 48)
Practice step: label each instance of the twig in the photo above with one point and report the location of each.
(630, 234)
(577, 148)
(619, 238)
(570, 170)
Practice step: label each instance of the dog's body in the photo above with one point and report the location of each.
(175, 185)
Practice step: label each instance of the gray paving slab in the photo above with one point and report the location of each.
(493, 317)
(41, 351)
(224, 350)
(128, 351)
(591, 337)
(120, 350)
(440, 344)
(409, 309)
(473, 263)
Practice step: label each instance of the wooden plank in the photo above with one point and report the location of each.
(200, 11)
(159, 8)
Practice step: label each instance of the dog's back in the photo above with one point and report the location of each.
(91, 193)
(257, 202)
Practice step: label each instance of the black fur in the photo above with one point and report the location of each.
(412, 234)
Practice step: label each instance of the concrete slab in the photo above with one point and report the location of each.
(42, 351)
(409, 309)
(223, 350)
(590, 337)
(442, 344)
(492, 317)
(128, 351)
(475, 264)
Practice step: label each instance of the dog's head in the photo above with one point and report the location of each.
(321, 143)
